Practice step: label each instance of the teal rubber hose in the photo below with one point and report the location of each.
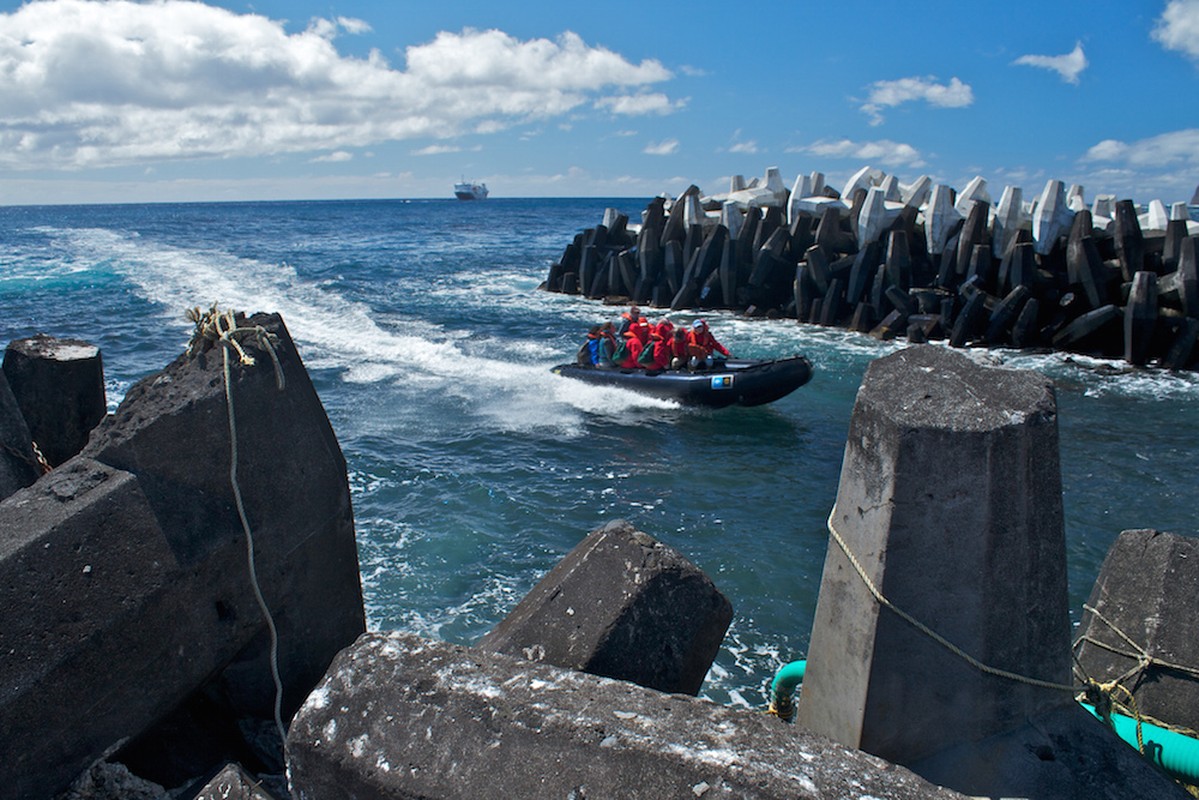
(1176, 753)
(782, 690)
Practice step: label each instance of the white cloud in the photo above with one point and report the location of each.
(436, 150)
(665, 147)
(333, 158)
(750, 147)
(1177, 148)
(655, 103)
(883, 151)
(1069, 66)
(888, 94)
(1178, 27)
(97, 84)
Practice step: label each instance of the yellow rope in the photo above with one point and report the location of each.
(927, 631)
(222, 329)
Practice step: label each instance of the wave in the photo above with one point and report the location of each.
(511, 385)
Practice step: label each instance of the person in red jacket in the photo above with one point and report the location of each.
(701, 344)
(633, 348)
(661, 344)
(678, 349)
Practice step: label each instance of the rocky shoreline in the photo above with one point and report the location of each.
(921, 261)
(137, 662)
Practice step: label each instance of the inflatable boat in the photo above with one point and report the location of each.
(733, 382)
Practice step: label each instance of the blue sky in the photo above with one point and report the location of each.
(182, 101)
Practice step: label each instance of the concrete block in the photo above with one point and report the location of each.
(974, 192)
(1140, 318)
(18, 467)
(1051, 218)
(1146, 590)
(940, 218)
(950, 498)
(915, 194)
(1130, 241)
(399, 716)
(172, 432)
(59, 387)
(1008, 218)
(233, 783)
(621, 605)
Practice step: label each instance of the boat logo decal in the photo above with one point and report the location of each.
(722, 381)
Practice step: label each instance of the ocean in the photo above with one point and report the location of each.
(474, 469)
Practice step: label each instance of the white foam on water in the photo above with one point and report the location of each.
(334, 332)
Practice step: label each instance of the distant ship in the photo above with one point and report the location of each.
(470, 191)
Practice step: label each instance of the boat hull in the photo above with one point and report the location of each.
(736, 382)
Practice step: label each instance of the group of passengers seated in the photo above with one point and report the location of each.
(637, 344)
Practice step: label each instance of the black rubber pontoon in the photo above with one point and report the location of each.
(734, 382)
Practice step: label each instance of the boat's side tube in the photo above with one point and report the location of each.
(782, 690)
(1176, 753)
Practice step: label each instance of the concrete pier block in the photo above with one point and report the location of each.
(940, 218)
(621, 605)
(402, 717)
(1130, 241)
(1008, 218)
(974, 192)
(978, 554)
(171, 431)
(1140, 318)
(800, 189)
(915, 194)
(1052, 217)
(59, 387)
(864, 178)
(18, 466)
(1146, 590)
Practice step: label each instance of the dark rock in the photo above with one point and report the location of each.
(1004, 314)
(620, 605)
(59, 387)
(402, 717)
(968, 321)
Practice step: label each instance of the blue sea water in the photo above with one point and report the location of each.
(474, 469)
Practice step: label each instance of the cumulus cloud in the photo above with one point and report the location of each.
(333, 158)
(883, 151)
(665, 147)
(96, 84)
(1178, 27)
(1069, 66)
(888, 94)
(1179, 149)
(638, 104)
(750, 147)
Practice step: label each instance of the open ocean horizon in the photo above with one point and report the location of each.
(473, 469)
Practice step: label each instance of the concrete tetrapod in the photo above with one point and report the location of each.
(950, 502)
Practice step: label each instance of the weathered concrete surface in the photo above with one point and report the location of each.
(950, 496)
(621, 605)
(59, 386)
(1060, 754)
(233, 783)
(172, 433)
(402, 717)
(92, 624)
(1146, 589)
(123, 579)
(18, 467)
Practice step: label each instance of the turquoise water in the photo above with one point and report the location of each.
(473, 469)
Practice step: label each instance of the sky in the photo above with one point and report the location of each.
(172, 101)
